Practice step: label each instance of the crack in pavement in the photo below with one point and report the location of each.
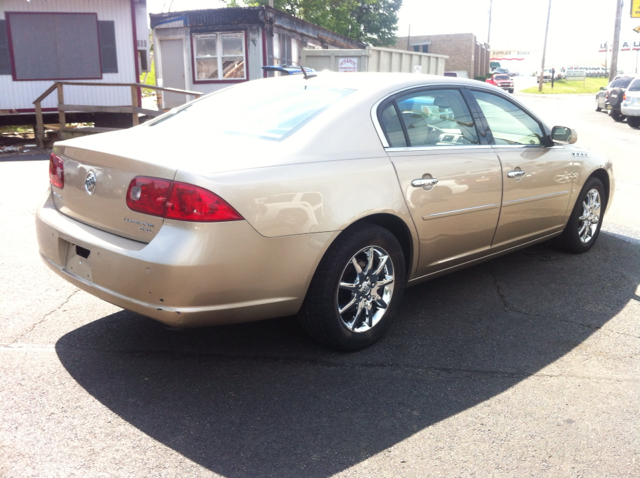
(45, 316)
(505, 304)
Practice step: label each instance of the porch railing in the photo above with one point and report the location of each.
(135, 108)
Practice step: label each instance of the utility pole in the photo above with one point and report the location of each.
(616, 42)
(544, 50)
(489, 32)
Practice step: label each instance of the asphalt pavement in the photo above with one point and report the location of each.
(524, 366)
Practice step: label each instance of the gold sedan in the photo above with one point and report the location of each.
(322, 197)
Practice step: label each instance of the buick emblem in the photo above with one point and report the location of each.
(90, 183)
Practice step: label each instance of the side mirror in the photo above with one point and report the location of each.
(564, 135)
(602, 88)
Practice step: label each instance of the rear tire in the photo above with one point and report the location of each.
(633, 121)
(585, 221)
(356, 290)
(616, 116)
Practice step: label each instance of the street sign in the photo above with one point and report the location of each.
(635, 8)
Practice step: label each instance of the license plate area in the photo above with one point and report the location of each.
(78, 261)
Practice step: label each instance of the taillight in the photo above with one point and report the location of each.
(606, 95)
(181, 201)
(56, 171)
(624, 97)
(148, 195)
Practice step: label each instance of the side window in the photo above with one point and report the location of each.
(509, 124)
(437, 118)
(392, 128)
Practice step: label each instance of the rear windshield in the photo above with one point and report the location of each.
(272, 112)
(502, 77)
(621, 82)
(635, 86)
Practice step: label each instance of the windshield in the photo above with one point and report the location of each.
(267, 113)
(502, 77)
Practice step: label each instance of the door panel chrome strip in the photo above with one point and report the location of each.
(460, 211)
(534, 198)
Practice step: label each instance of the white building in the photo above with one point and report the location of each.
(93, 41)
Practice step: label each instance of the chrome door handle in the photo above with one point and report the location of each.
(424, 182)
(515, 174)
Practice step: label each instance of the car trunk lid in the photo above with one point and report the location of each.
(96, 183)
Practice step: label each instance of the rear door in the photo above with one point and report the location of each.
(537, 174)
(451, 181)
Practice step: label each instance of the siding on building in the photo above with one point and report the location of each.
(19, 95)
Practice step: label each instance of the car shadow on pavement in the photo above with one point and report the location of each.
(261, 399)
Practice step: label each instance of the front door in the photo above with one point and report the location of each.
(537, 176)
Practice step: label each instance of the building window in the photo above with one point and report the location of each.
(219, 56)
(5, 61)
(108, 51)
(48, 46)
(421, 48)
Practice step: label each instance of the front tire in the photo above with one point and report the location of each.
(585, 221)
(356, 290)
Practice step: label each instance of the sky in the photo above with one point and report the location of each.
(576, 27)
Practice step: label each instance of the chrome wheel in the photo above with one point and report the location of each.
(365, 289)
(590, 218)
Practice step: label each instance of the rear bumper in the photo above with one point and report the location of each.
(190, 274)
(631, 108)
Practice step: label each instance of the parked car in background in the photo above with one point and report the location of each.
(502, 80)
(318, 196)
(630, 106)
(610, 98)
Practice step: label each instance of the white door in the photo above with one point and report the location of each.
(173, 72)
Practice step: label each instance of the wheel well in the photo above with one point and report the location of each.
(398, 228)
(602, 175)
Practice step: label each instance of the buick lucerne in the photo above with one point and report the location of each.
(319, 197)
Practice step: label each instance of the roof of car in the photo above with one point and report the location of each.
(382, 81)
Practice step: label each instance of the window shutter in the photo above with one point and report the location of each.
(108, 51)
(5, 62)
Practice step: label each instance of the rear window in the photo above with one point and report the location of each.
(635, 86)
(272, 112)
(621, 82)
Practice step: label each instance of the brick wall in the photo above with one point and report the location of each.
(465, 54)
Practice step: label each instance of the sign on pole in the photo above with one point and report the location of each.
(635, 8)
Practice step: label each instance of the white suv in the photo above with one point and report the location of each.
(630, 106)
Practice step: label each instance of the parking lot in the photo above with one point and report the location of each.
(527, 365)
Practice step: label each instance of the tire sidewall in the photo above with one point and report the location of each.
(571, 237)
(329, 274)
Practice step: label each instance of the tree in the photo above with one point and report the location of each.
(369, 21)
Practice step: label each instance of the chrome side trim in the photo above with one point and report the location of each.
(457, 212)
(534, 198)
(438, 148)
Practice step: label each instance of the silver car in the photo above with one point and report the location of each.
(630, 106)
(322, 197)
